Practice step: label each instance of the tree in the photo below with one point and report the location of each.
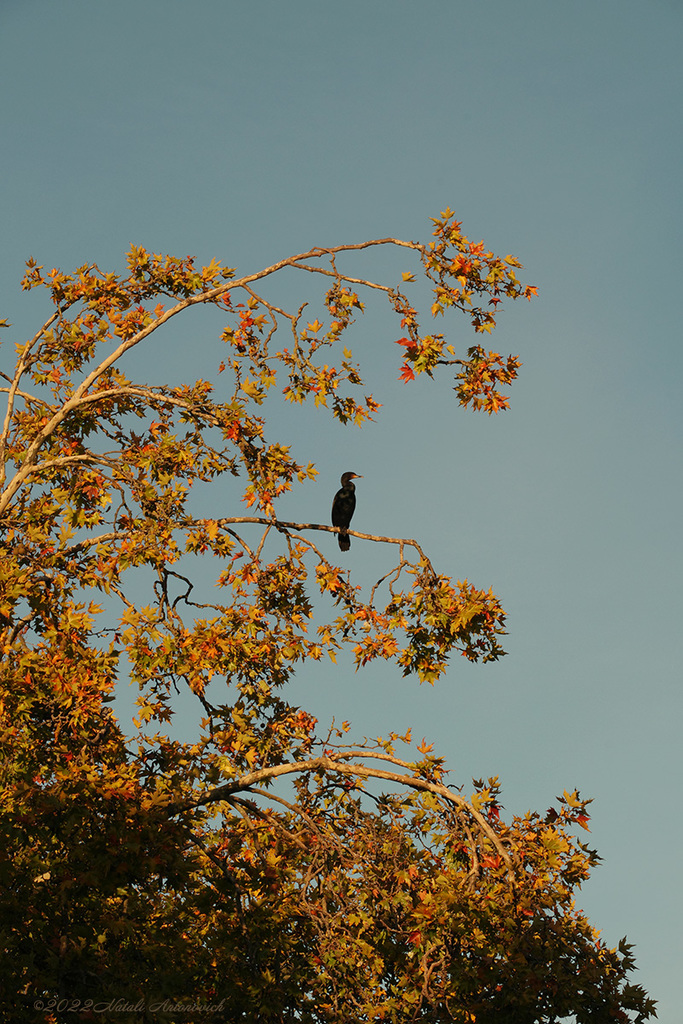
(144, 872)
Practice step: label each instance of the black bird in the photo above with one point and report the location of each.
(343, 507)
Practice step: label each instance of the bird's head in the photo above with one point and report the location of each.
(347, 477)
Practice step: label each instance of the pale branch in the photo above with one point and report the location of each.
(28, 470)
(259, 549)
(335, 765)
(24, 394)
(14, 386)
(92, 542)
(294, 327)
(66, 460)
(311, 546)
(363, 752)
(74, 402)
(268, 816)
(281, 524)
(264, 302)
(476, 867)
(300, 813)
(135, 391)
(149, 395)
(344, 277)
(272, 310)
(30, 466)
(240, 806)
(210, 295)
(40, 332)
(119, 593)
(19, 625)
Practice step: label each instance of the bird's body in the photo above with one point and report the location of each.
(343, 507)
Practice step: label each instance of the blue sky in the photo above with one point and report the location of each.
(252, 131)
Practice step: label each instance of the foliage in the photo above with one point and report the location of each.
(144, 871)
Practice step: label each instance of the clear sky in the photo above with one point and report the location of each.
(250, 131)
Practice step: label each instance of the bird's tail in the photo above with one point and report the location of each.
(344, 541)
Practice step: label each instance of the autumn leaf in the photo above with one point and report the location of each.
(264, 863)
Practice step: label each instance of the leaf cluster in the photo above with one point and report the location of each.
(261, 863)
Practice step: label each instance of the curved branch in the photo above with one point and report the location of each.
(66, 460)
(211, 295)
(137, 391)
(335, 764)
(14, 387)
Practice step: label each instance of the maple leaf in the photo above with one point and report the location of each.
(162, 823)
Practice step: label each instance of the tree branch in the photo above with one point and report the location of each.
(14, 387)
(281, 524)
(333, 764)
(211, 295)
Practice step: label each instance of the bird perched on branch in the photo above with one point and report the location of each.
(343, 507)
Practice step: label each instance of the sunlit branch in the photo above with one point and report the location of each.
(267, 816)
(211, 295)
(344, 277)
(24, 361)
(24, 394)
(281, 524)
(66, 460)
(336, 765)
(91, 542)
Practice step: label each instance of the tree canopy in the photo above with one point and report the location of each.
(265, 869)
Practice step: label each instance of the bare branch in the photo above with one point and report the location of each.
(235, 534)
(281, 524)
(344, 277)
